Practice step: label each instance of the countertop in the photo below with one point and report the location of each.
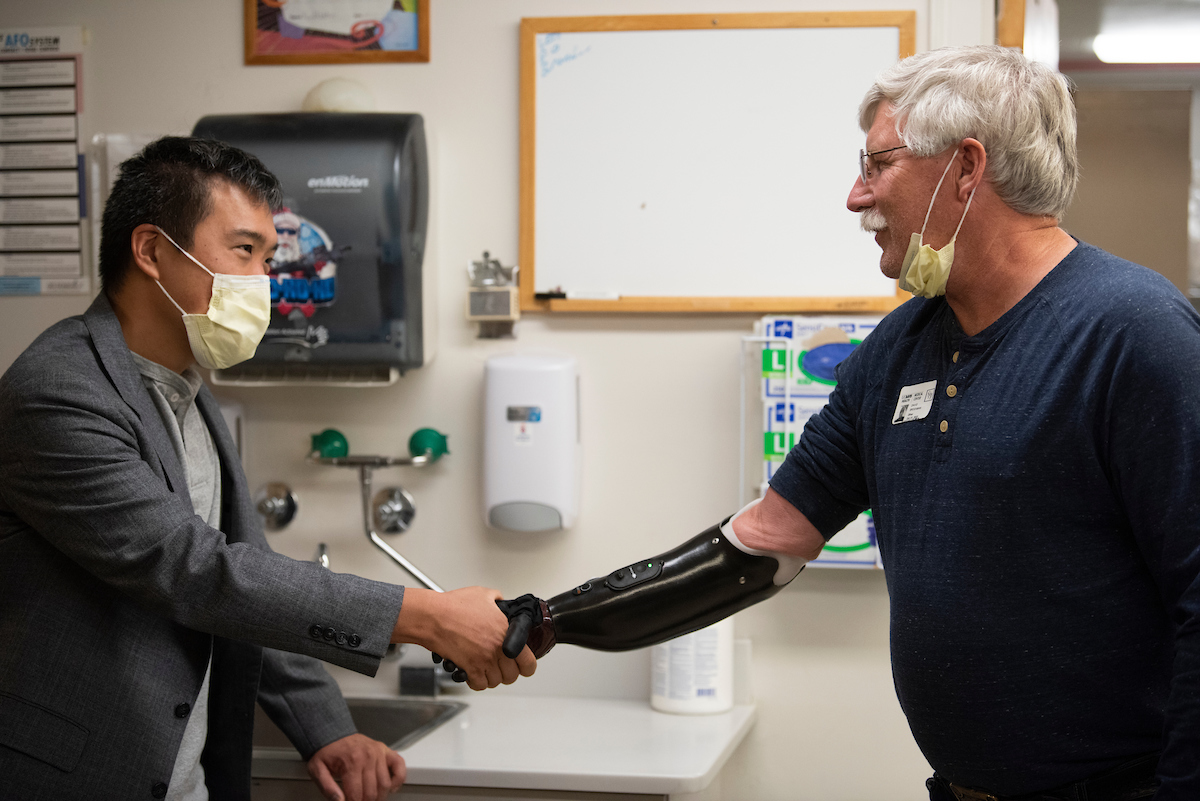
(575, 744)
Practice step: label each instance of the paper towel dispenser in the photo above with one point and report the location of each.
(346, 286)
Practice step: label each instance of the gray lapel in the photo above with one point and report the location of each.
(110, 344)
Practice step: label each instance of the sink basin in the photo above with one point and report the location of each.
(399, 722)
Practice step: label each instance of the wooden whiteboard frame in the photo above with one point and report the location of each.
(531, 27)
(1010, 24)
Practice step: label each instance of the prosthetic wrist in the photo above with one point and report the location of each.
(789, 566)
(707, 578)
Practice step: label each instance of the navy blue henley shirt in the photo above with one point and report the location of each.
(1039, 526)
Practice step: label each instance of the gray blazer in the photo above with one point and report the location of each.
(113, 593)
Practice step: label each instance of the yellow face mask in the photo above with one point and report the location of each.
(925, 271)
(239, 311)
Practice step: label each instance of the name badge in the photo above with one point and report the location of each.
(914, 403)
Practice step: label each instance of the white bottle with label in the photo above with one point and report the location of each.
(693, 674)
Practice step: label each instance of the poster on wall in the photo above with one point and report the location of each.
(42, 205)
(344, 32)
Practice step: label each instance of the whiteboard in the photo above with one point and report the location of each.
(704, 165)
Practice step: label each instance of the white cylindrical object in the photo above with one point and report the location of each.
(693, 674)
(531, 449)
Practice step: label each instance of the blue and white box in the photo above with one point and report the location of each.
(783, 422)
(807, 349)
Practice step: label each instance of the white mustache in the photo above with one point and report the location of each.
(871, 220)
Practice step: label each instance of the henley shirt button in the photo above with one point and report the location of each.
(952, 390)
(159, 790)
(944, 426)
(182, 710)
(954, 358)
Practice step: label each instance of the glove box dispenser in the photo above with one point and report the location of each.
(346, 286)
(531, 449)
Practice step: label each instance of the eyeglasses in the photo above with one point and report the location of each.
(866, 161)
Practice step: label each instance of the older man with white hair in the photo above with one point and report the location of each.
(1025, 432)
(1037, 518)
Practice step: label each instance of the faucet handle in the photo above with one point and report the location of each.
(277, 504)
(394, 510)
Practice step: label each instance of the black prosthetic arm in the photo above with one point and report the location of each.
(702, 581)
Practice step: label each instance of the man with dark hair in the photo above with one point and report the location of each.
(168, 182)
(141, 610)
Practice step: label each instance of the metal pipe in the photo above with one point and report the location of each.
(375, 461)
(364, 477)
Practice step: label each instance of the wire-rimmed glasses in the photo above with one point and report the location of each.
(866, 161)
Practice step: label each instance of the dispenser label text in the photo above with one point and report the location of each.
(524, 414)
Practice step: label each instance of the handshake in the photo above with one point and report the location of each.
(529, 636)
(485, 641)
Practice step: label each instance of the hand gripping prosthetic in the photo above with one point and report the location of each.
(705, 579)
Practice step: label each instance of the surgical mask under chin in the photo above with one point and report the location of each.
(237, 317)
(925, 271)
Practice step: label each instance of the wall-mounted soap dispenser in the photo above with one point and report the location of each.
(531, 454)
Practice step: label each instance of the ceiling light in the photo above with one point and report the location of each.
(1147, 48)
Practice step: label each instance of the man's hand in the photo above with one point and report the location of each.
(369, 770)
(466, 627)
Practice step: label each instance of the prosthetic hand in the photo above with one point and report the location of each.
(705, 579)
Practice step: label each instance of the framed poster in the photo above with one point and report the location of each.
(336, 31)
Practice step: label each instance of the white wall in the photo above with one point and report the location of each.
(659, 392)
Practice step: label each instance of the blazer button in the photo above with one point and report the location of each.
(159, 790)
(341, 638)
(355, 641)
(182, 710)
(315, 631)
(330, 633)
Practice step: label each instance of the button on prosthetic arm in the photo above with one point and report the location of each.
(705, 579)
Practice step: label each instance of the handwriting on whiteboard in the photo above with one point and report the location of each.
(553, 53)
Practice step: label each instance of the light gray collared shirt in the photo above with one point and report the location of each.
(174, 396)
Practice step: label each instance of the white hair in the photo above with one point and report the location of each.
(1021, 111)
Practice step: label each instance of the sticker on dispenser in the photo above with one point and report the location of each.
(304, 268)
(523, 433)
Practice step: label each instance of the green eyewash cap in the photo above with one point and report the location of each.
(330, 444)
(428, 439)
